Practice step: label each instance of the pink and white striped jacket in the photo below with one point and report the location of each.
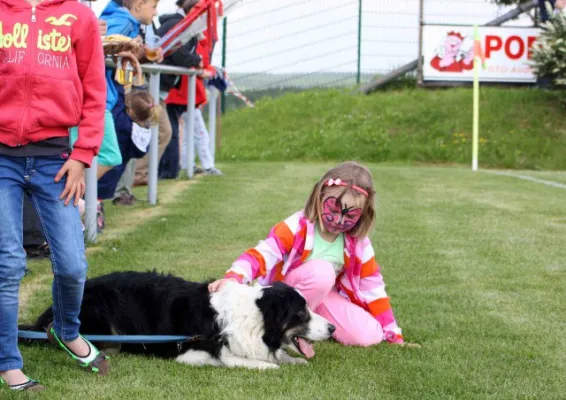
(288, 245)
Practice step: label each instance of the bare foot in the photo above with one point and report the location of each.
(79, 347)
(14, 377)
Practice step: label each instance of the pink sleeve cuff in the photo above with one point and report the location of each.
(83, 155)
(393, 337)
(233, 275)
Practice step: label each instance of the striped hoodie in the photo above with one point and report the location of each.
(289, 244)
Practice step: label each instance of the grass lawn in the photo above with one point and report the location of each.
(520, 128)
(475, 266)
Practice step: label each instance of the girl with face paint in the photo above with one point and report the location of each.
(324, 252)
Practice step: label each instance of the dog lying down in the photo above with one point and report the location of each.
(237, 326)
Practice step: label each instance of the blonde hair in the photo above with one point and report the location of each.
(142, 106)
(352, 173)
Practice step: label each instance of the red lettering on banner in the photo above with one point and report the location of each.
(520, 51)
(489, 46)
(530, 42)
(513, 51)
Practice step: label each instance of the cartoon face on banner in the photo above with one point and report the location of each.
(448, 53)
(454, 54)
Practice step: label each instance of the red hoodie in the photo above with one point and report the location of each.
(180, 95)
(51, 74)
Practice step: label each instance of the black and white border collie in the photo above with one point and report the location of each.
(237, 326)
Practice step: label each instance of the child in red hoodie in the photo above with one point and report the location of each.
(52, 78)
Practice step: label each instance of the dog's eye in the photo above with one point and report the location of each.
(303, 314)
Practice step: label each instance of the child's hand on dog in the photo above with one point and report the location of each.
(218, 284)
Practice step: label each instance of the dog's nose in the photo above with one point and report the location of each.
(331, 329)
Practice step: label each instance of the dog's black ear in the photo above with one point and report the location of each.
(273, 315)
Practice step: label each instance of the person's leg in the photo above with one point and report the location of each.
(12, 265)
(164, 134)
(63, 231)
(165, 131)
(181, 139)
(108, 184)
(354, 325)
(126, 182)
(202, 143)
(33, 234)
(184, 140)
(101, 170)
(169, 164)
(314, 279)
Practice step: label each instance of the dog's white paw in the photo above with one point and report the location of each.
(267, 366)
(285, 358)
(297, 361)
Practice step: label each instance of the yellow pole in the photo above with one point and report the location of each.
(476, 105)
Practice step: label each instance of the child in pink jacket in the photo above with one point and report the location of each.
(324, 252)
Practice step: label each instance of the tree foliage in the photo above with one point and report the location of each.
(549, 51)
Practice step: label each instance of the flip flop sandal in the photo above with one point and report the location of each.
(96, 361)
(30, 385)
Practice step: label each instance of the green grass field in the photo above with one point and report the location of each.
(474, 263)
(520, 128)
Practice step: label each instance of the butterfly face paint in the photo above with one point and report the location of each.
(338, 219)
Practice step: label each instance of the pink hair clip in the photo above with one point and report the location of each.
(338, 182)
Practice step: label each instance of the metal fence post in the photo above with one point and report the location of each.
(359, 75)
(154, 145)
(91, 195)
(224, 27)
(420, 59)
(190, 126)
(212, 121)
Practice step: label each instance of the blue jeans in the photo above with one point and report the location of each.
(61, 224)
(170, 160)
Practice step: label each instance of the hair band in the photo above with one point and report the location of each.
(339, 182)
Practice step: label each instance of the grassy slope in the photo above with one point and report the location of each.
(520, 128)
(474, 264)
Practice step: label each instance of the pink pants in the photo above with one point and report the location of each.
(315, 279)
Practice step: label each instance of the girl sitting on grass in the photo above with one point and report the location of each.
(324, 252)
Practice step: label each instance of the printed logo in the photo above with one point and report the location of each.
(61, 21)
(53, 44)
(17, 38)
(53, 41)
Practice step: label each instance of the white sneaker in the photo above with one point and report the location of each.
(212, 171)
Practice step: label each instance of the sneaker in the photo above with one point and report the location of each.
(100, 223)
(198, 170)
(212, 171)
(124, 200)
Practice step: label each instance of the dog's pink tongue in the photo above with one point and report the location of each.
(306, 348)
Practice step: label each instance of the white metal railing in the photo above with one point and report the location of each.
(155, 71)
